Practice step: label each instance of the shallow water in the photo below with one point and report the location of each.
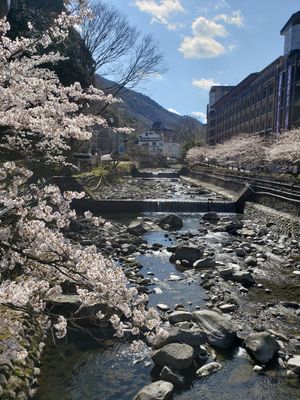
(89, 370)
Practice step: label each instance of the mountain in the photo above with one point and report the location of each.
(139, 111)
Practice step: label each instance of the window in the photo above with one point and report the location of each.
(153, 143)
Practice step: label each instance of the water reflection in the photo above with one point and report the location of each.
(85, 369)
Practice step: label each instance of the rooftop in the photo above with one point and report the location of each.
(294, 20)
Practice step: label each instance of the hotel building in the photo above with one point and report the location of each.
(267, 101)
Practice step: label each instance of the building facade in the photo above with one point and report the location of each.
(151, 142)
(267, 101)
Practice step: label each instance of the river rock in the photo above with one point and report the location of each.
(169, 375)
(204, 263)
(208, 369)
(219, 329)
(64, 303)
(174, 355)
(251, 261)
(227, 308)
(240, 252)
(172, 221)
(262, 346)
(160, 390)
(180, 316)
(243, 277)
(136, 228)
(191, 254)
(163, 307)
(294, 364)
(211, 216)
(192, 337)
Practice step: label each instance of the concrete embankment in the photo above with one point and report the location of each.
(270, 202)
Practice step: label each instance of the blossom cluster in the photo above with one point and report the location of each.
(38, 119)
(247, 150)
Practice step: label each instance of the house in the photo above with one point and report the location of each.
(151, 141)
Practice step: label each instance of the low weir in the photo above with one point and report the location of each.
(137, 206)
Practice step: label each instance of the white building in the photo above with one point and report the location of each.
(151, 141)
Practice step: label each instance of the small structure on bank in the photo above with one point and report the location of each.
(159, 141)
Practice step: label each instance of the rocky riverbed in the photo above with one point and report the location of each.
(137, 189)
(226, 288)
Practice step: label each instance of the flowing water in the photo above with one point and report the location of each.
(83, 369)
(80, 368)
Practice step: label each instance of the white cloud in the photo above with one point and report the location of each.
(204, 84)
(172, 110)
(236, 18)
(199, 115)
(206, 27)
(203, 43)
(161, 11)
(200, 47)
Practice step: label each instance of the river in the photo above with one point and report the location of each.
(79, 368)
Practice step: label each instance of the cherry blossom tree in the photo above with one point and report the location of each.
(38, 119)
(286, 148)
(246, 150)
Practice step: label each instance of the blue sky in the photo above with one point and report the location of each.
(207, 42)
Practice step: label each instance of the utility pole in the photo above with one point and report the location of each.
(4, 8)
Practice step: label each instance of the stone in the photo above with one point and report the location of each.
(257, 368)
(251, 261)
(3, 380)
(190, 254)
(219, 329)
(226, 273)
(294, 364)
(227, 308)
(163, 307)
(174, 355)
(136, 228)
(160, 390)
(192, 337)
(208, 369)
(246, 278)
(180, 316)
(211, 216)
(173, 222)
(204, 263)
(63, 304)
(175, 278)
(167, 374)
(240, 252)
(262, 346)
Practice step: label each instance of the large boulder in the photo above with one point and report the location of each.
(180, 316)
(160, 390)
(137, 228)
(193, 337)
(171, 222)
(190, 254)
(262, 346)
(167, 374)
(294, 364)
(243, 277)
(219, 329)
(211, 216)
(174, 355)
(204, 263)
